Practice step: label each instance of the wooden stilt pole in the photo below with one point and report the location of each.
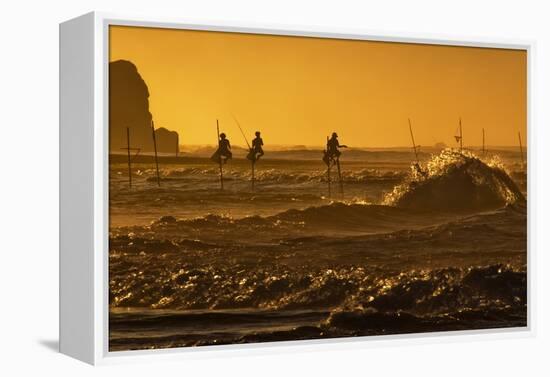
(414, 144)
(460, 128)
(328, 173)
(521, 151)
(155, 146)
(328, 181)
(253, 178)
(177, 145)
(340, 182)
(219, 156)
(483, 142)
(129, 158)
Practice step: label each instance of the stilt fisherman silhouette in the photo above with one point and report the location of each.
(332, 152)
(331, 157)
(224, 150)
(256, 151)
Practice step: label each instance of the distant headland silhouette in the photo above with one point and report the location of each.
(129, 108)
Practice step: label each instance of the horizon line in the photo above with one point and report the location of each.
(315, 147)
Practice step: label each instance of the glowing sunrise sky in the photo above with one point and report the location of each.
(298, 90)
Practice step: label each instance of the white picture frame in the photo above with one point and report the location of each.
(84, 189)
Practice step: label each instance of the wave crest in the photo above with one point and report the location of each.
(455, 180)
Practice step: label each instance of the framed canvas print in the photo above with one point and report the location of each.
(224, 187)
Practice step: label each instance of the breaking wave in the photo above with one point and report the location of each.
(456, 180)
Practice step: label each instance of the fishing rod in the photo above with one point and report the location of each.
(242, 133)
(253, 159)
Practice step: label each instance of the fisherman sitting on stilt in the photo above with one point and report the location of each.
(256, 151)
(224, 150)
(332, 153)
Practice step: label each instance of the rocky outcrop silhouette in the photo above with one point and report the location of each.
(167, 141)
(129, 108)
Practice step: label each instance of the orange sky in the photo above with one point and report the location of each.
(298, 90)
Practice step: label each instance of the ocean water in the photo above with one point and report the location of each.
(395, 252)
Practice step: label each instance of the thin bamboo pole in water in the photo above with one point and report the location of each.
(219, 157)
(129, 158)
(155, 146)
(521, 151)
